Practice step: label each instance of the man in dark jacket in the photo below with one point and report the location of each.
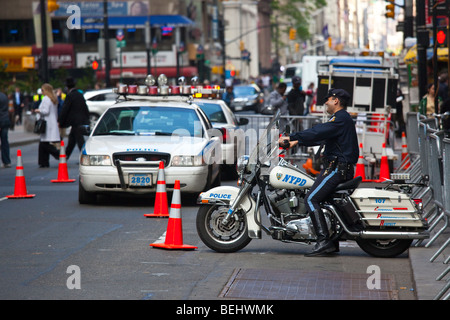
(75, 114)
(4, 127)
(338, 136)
(296, 98)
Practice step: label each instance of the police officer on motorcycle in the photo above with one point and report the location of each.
(338, 136)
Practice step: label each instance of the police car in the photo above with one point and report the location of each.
(148, 125)
(98, 101)
(225, 121)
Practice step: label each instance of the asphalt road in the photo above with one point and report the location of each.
(51, 245)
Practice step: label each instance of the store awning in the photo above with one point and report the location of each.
(141, 73)
(137, 22)
(411, 55)
(12, 57)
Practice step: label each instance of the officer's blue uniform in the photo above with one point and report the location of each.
(341, 153)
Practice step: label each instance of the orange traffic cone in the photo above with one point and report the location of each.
(174, 233)
(63, 174)
(406, 163)
(161, 209)
(20, 186)
(308, 166)
(360, 169)
(384, 165)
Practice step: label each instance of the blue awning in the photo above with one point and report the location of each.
(137, 22)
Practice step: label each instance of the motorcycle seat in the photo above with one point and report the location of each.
(350, 184)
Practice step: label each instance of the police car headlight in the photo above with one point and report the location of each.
(185, 161)
(95, 160)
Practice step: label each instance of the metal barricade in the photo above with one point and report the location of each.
(446, 192)
(423, 140)
(412, 127)
(411, 164)
(436, 183)
(258, 123)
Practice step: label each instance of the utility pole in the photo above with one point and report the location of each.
(422, 45)
(44, 53)
(105, 35)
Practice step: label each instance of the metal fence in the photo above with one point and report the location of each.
(258, 123)
(430, 156)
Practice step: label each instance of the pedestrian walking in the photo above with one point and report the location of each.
(4, 127)
(74, 114)
(19, 104)
(277, 100)
(48, 111)
(426, 105)
(309, 98)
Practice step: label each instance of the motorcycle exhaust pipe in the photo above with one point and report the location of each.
(391, 235)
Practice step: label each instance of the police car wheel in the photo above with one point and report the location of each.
(85, 197)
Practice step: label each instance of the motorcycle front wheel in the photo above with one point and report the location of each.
(227, 238)
(386, 248)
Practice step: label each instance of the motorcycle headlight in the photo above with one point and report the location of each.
(241, 163)
(95, 160)
(187, 161)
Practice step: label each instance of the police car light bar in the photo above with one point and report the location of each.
(150, 89)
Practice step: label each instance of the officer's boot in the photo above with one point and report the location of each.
(324, 245)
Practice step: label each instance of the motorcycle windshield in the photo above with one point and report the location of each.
(266, 148)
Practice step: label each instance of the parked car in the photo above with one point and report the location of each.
(223, 119)
(98, 101)
(247, 97)
(123, 151)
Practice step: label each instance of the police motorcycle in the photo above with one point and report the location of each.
(383, 220)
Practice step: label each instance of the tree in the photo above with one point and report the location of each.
(296, 14)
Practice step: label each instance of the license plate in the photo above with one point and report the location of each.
(140, 179)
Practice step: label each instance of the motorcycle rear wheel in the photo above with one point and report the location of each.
(384, 248)
(225, 239)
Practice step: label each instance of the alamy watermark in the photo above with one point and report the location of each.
(74, 280)
(374, 280)
(74, 20)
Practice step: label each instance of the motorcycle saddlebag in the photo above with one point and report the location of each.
(351, 217)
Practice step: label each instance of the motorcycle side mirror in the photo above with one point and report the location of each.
(288, 129)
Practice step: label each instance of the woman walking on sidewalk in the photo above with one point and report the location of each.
(48, 110)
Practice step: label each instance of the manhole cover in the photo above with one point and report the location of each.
(305, 285)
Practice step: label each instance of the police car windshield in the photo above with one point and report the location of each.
(213, 111)
(165, 121)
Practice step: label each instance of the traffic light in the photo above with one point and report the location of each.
(52, 5)
(96, 65)
(390, 9)
(441, 37)
(292, 34)
(242, 45)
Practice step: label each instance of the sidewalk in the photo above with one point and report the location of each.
(424, 271)
(20, 137)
